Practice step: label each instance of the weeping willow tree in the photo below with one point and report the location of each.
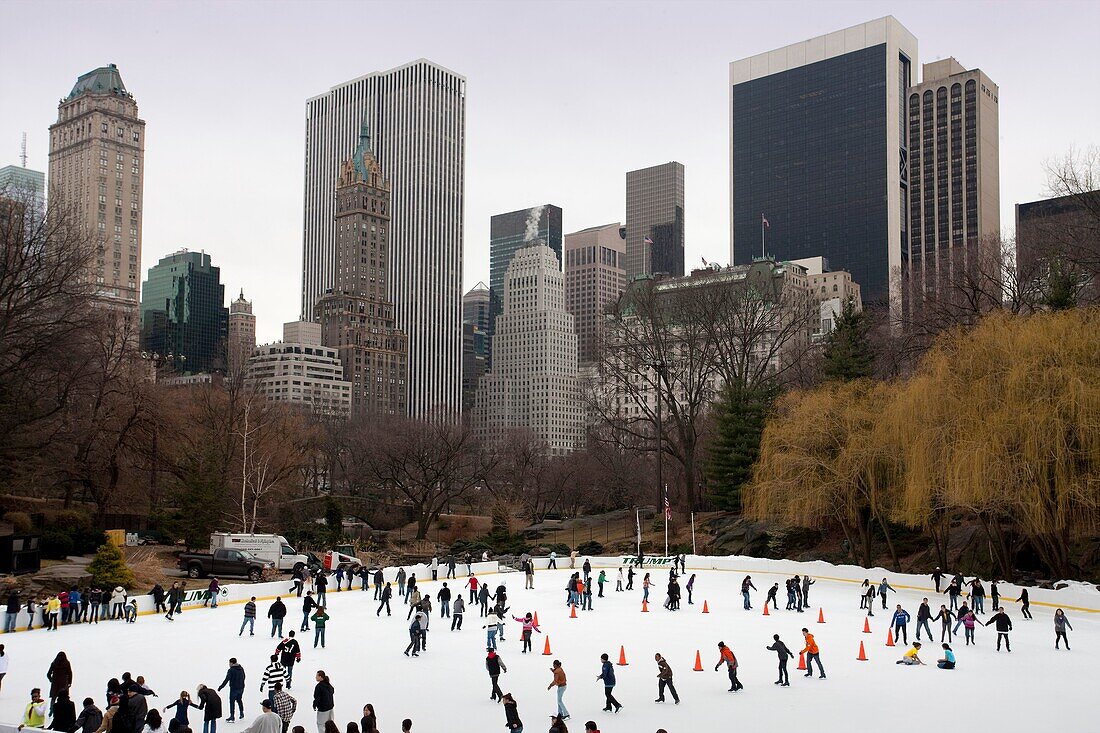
(823, 463)
(1003, 422)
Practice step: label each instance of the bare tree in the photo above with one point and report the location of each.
(275, 446)
(1077, 237)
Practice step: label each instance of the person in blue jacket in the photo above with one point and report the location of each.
(882, 588)
(234, 677)
(948, 661)
(607, 674)
(900, 622)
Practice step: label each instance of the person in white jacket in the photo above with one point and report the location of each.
(118, 602)
(268, 722)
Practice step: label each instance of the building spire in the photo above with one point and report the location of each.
(362, 149)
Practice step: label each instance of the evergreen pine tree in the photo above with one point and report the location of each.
(848, 354)
(740, 416)
(198, 500)
(109, 568)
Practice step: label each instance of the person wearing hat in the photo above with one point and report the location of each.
(911, 657)
(268, 722)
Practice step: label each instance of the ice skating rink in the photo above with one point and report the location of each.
(446, 689)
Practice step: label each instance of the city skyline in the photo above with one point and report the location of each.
(242, 168)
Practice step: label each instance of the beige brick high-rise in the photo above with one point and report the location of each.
(595, 277)
(242, 334)
(97, 165)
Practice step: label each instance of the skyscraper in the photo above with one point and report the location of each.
(182, 313)
(24, 184)
(357, 315)
(511, 232)
(417, 115)
(818, 148)
(595, 276)
(954, 172)
(97, 163)
(475, 306)
(242, 334)
(533, 381)
(475, 342)
(655, 220)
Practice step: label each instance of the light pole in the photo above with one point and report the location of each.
(659, 367)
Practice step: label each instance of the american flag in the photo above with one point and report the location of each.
(765, 222)
(648, 240)
(668, 507)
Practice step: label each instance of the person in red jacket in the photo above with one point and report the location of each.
(725, 654)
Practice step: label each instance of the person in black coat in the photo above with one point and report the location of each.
(158, 598)
(1004, 625)
(64, 713)
(277, 613)
(784, 654)
(323, 701)
(511, 713)
(90, 718)
(12, 610)
(210, 703)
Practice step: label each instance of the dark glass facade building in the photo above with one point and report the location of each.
(655, 220)
(182, 313)
(819, 149)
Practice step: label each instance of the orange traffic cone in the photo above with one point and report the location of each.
(645, 606)
(705, 608)
(698, 662)
(766, 610)
(573, 611)
(866, 625)
(622, 656)
(889, 637)
(862, 654)
(536, 619)
(802, 660)
(546, 648)
(821, 615)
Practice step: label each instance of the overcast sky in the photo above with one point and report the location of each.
(563, 99)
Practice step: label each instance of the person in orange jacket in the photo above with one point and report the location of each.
(812, 653)
(726, 655)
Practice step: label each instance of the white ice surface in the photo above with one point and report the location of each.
(447, 690)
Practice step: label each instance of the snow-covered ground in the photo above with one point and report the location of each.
(446, 689)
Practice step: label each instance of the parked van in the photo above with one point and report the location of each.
(271, 547)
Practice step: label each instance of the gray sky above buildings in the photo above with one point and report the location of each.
(563, 99)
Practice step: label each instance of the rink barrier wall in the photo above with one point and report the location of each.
(240, 593)
(1075, 597)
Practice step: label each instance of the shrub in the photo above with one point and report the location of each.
(591, 547)
(20, 521)
(109, 568)
(56, 544)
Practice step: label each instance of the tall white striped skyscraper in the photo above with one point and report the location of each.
(417, 117)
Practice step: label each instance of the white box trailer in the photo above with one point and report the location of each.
(271, 547)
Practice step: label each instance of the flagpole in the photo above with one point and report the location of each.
(693, 552)
(762, 255)
(666, 520)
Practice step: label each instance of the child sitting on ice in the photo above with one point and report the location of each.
(911, 657)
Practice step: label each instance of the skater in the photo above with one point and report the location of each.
(274, 674)
(384, 600)
(339, 577)
(557, 724)
(179, 710)
(413, 598)
(1004, 625)
(321, 584)
(559, 682)
(234, 677)
(175, 599)
(11, 615)
(131, 611)
(745, 585)
(425, 622)
(118, 602)
(323, 700)
(870, 596)
(552, 563)
(249, 618)
(784, 654)
(977, 596)
(812, 653)
(1061, 623)
(494, 665)
(290, 653)
(451, 567)
(60, 676)
(63, 717)
(607, 674)
(771, 596)
(924, 615)
(435, 568)
(912, 656)
(948, 661)
(296, 582)
(210, 703)
(600, 581)
(796, 586)
(725, 654)
(953, 591)
(1026, 608)
(402, 576)
(212, 591)
(414, 637)
(629, 578)
(457, 612)
(468, 559)
(664, 679)
(944, 617)
(90, 718)
(277, 612)
(586, 596)
(483, 599)
(157, 593)
(806, 583)
(444, 598)
(937, 576)
(689, 587)
(995, 594)
(587, 568)
(320, 619)
(968, 621)
(528, 627)
(369, 722)
(529, 574)
(883, 587)
(511, 714)
(379, 583)
(283, 705)
(572, 559)
(900, 622)
(471, 583)
(307, 608)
